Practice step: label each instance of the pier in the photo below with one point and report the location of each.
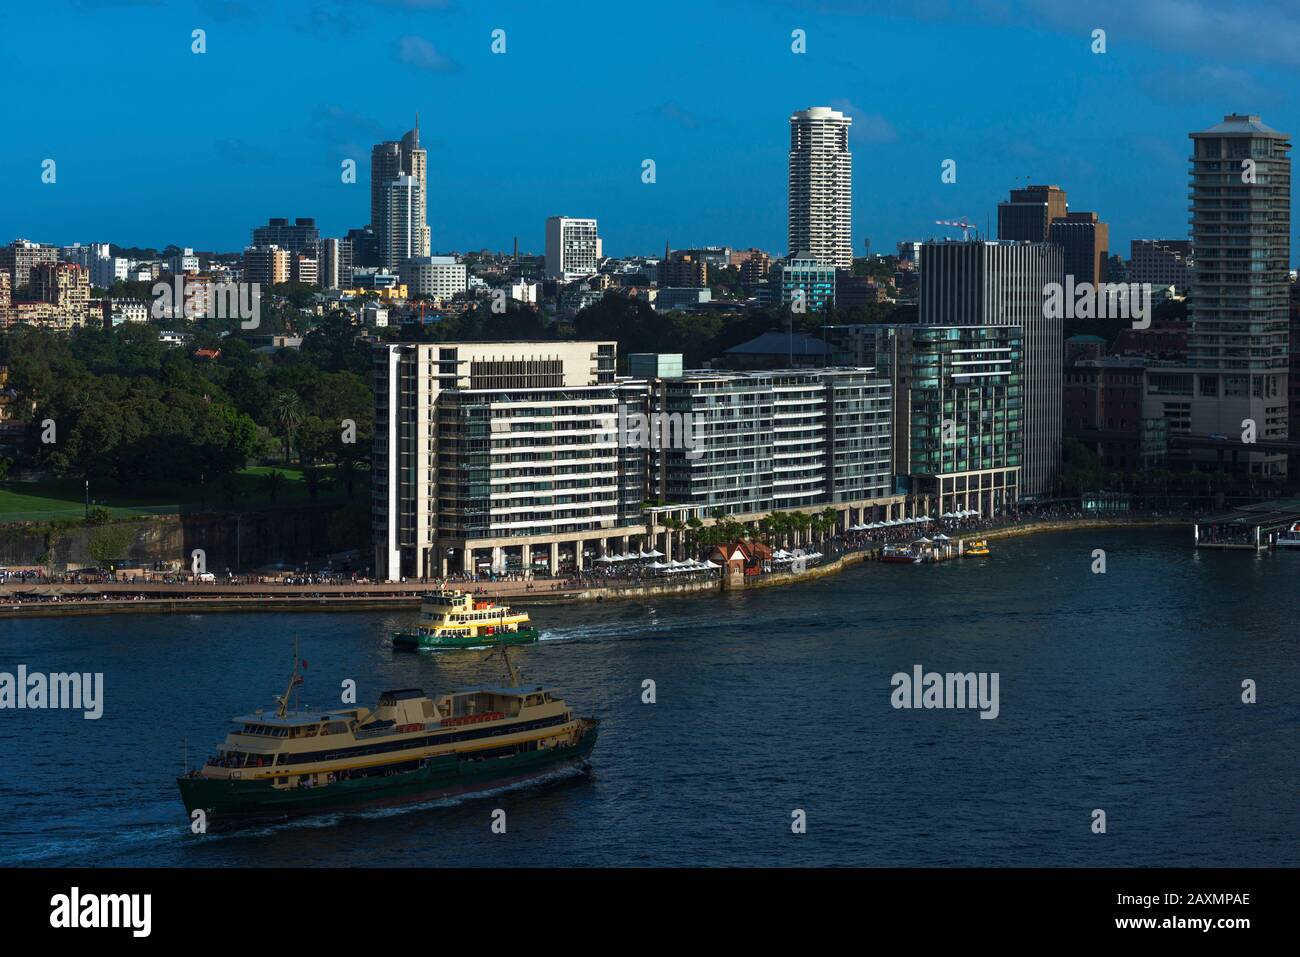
(1250, 527)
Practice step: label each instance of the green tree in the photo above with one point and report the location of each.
(286, 412)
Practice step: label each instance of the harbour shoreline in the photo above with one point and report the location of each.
(234, 604)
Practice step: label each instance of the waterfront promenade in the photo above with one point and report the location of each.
(43, 598)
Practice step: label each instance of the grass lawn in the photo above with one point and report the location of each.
(51, 499)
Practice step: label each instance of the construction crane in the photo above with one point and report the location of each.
(961, 224)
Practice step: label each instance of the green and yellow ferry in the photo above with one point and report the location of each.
(455, 619)
(410, 748)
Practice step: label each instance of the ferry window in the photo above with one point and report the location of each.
(334, 727)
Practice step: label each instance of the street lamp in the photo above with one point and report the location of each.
(87, 499)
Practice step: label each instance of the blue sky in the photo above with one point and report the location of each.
(157, 145)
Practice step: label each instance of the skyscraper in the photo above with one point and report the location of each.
(1028, 215)
(821, 187)
(1241, 221)
(1086, 241)
(1004, 283)
(390, 161)
(401, 234)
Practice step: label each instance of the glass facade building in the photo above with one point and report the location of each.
(959, 421)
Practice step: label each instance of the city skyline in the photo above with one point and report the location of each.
(719, 159)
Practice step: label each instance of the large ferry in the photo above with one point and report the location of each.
(411, 747)
(454, 619)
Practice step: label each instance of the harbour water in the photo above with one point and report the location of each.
(1118, 691)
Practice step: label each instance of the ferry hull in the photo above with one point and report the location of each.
(232, 803)
(412, 641)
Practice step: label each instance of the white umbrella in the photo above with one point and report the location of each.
(604, 558)
(653, 553)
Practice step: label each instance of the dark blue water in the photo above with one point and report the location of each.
(1119, 691)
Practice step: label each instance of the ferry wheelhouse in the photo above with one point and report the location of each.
(455, 619)
(1289, 538)
(411, 747)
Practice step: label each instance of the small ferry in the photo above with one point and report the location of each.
(1289, 538)
(979, 547)
(899, 554)
(455, 619)
(411, 747)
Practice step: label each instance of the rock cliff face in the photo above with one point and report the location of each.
(243, 540)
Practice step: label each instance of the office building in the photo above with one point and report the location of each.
(572, 248)
(973, 283)
(803, 282)
(1162, 262)
(958, 411)
(1103, 407)
(266, 265)
(821, 187)
(1030, 212)
(300, 236)
(1085, 241)
(435, 277)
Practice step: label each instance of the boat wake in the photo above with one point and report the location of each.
(318, 822)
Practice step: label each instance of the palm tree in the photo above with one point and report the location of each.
(830, 518)
(775, 523)
(801, 522)
(693, 525)
(286, 412)
(273, 482)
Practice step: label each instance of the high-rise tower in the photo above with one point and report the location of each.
(821, 186)
(403, 218)
(390, 161)
(1237, 346)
